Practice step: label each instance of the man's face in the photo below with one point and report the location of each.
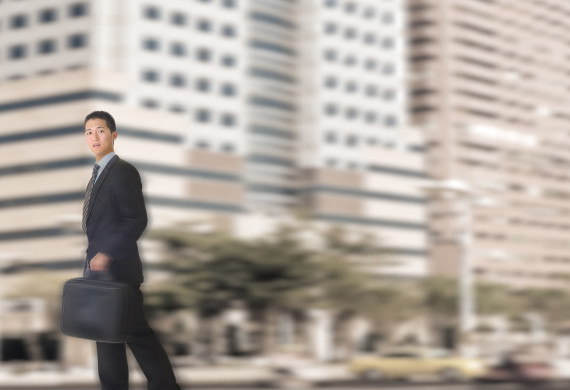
(99, 138)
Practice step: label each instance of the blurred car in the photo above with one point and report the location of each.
(525, 371)
(408, 363)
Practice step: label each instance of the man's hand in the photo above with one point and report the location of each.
(99, 262)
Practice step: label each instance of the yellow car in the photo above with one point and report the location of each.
(402, 364)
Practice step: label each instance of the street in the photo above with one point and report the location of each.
(352, 386)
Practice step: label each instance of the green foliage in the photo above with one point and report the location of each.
(213, 270)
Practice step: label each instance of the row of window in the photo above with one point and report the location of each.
(203, 55)
(350, 60)
(201, 84)
(332, 82)
(201, 115)
(179, 18)
(351, 33)
(46, 46)
(353, 113)
(352, 8)
(205, 25)
(48, 15)
(354, 140)
(224, 147)
(177, 49)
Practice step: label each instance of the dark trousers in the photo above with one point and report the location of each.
(147, 350)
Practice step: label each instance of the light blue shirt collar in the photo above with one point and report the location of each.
(103, 163)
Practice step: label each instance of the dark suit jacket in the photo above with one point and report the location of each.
(116, 218)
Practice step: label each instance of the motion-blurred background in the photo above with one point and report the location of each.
(323, 178)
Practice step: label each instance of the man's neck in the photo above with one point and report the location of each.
(97, 159)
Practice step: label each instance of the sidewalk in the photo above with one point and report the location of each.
(223, 376)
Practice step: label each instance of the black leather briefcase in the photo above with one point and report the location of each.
(97, 310)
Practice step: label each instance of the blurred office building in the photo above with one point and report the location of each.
(237, 114)
(490, 90)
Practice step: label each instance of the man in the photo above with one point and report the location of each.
(114, 217)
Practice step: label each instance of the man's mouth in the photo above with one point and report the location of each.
(96, 145)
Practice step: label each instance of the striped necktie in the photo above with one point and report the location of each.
(87, 196)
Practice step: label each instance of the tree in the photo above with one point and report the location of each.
(280, 271)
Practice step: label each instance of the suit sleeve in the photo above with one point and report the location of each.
(133, 217)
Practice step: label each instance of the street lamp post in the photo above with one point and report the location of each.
(459, 190)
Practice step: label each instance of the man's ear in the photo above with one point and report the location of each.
(115, 135)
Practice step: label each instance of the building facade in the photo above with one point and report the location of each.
(235, 112)
(489, 86)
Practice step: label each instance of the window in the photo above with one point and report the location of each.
(203, 55)
(370, 64)
(330, 3)
(176, 108)
(151, 76)
(17, 52)
(203, 85)
(228, 61)
(229, 31)
(351, 87)
(331, 109)
(77, 10)
(369, 13)
(178, 49)
(18, 21)
(150, 103)
(151, 44)
(371, 90)
(228, 89)
(349, 33)
(331, 82)
(204, 25)
(48, 15)
(77, 41)
(152, 13)
(389, 94)
(229, 3)
(388, 18)
(352, 140)
(228, 148)
(350, 60)
(390, 120)
(202, 144)
(178, 19)
(177, 80)
(370, 117)
(46, 46)
(228, 120)
(331, 137)
(351, 113)
(388, 43)
(330, 55)
(389, 69)
(350, 7)
(46, 72)
(203, 115)
(330, 28)
(370, 39)
(331, 162)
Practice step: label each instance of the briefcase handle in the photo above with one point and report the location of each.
(104, 276)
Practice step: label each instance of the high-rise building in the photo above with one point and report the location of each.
(489, 89)
(233, 111)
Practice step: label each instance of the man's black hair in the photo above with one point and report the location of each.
(108, 118)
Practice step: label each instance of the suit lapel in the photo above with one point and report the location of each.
(98, 184)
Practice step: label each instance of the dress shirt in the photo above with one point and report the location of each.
(103, 163)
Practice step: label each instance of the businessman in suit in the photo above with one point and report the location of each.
(114, 217)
